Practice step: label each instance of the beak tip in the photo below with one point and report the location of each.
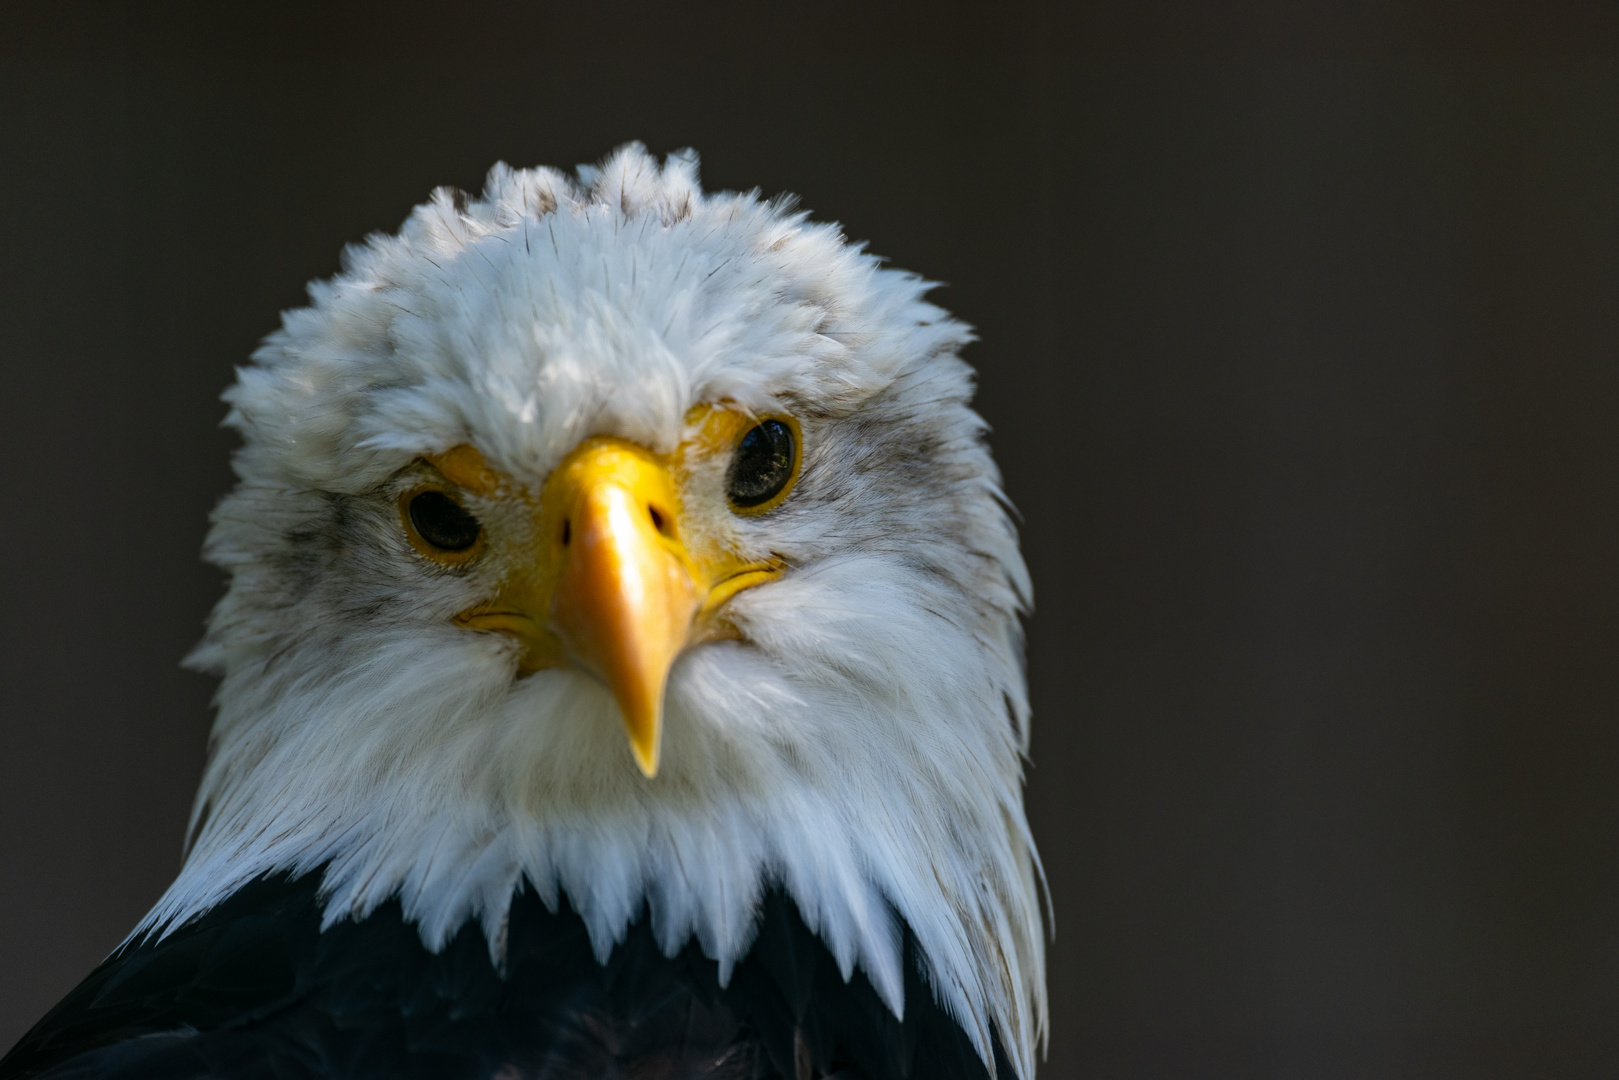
(643, 723)
(646, 758)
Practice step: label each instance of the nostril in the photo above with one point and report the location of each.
(658, 521)
(567, 531)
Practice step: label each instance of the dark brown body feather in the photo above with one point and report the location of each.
(254, 990)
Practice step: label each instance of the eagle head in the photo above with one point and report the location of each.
(638, 545)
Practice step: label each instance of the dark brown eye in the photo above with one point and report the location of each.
(442, 522)
(763, 465)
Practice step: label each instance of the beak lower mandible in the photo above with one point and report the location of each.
(625, 598)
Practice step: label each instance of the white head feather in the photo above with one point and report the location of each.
(861, 746)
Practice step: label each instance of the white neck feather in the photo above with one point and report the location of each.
(423, 777)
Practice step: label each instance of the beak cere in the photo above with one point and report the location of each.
(624, 598)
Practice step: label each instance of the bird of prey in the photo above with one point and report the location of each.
(621, 672)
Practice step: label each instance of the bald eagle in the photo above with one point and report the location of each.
(621, 672)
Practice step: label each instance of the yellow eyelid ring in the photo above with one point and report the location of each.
(797, 457)
(455, 524)
(764, 454)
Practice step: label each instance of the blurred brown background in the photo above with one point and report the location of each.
(1301, 344)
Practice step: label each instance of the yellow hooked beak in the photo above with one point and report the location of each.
(609, 584)
(625, 598)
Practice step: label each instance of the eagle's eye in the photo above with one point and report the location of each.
(765, 465)
(441, 527)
